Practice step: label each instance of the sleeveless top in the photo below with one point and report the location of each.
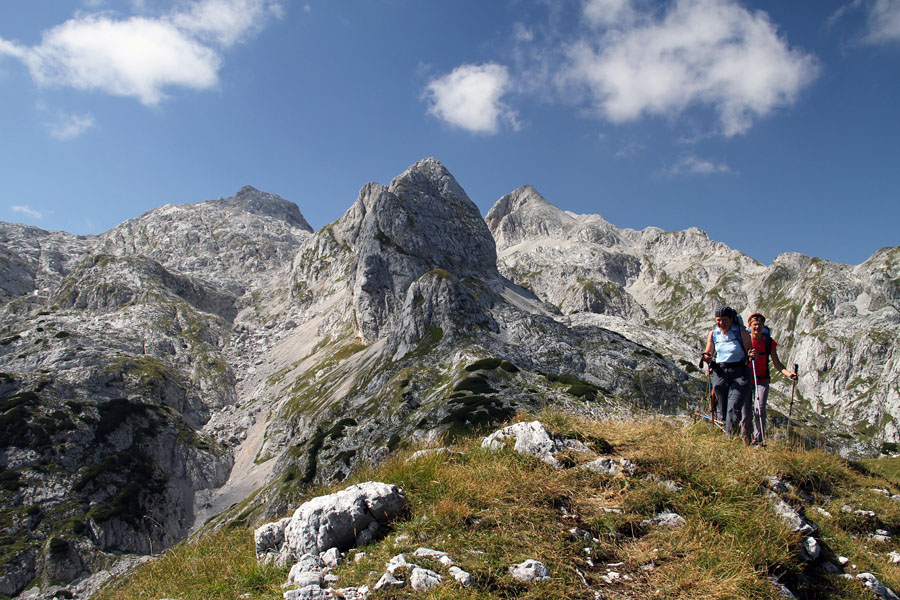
(730, 346)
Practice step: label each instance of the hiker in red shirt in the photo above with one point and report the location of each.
(765, 347)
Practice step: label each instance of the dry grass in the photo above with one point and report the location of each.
(219, 566)
(489, 510)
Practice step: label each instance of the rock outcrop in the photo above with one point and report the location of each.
(343, 520)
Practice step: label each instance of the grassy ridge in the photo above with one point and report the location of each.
(489, 510)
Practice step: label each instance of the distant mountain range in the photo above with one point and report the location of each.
(222, 356)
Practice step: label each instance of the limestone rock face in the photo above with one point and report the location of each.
(116, 352)
(34, 261)
(422, 223)
(582, 263)
(208, 240)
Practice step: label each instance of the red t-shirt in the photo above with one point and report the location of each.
(762, 359)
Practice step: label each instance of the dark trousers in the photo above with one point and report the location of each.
(731, 383)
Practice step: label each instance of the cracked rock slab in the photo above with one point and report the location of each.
(423, 580)
(530, 570)
(532, 439)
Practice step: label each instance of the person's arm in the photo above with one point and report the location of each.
(778, 364)
(748, 344)
(708, 353)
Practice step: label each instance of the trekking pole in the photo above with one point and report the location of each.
(756, 414)
(705, 401)
(791, 408)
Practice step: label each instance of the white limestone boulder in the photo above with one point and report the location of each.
(341, 520)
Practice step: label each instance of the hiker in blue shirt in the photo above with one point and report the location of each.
(728, 346)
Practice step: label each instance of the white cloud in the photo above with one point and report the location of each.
(884, 22)
(225, 21)
(693, 165)
(71, 126)
(522, 33)
(470, 97)
(10, 49)
(712, 53)
(608, 12)
(138, 56)
(26, 210)
(882, 19)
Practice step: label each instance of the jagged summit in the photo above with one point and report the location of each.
(523, 213)
(430, 178)
(423, 216)
(423, 222)
(517, 200)
(526, 214)
(270, 205)
(224, 242)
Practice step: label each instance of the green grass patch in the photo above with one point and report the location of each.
(485, 364)
(477, 384)
(886, 467)
(218, 566)
(578, 387)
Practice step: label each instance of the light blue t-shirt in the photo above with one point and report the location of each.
(730, 346)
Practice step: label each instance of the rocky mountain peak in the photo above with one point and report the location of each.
(429, 178)
(422, 217)
(231, 243)
(524, 213)
(256, 202)
(517, 200)
(423, 222)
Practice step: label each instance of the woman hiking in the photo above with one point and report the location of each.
(765, 348)
(730, 344)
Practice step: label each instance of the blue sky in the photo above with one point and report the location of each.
(772, 125)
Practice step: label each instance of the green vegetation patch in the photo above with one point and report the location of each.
(10, 339)
(113, 413)
(24, 424)
(485, 364)
(577, 387)
(10, 480)
(126, 502)
(218, 566)
(489, 364)
(477, 384)
(337, 431)
(475, 413)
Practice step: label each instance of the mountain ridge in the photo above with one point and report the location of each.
(241, 357)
